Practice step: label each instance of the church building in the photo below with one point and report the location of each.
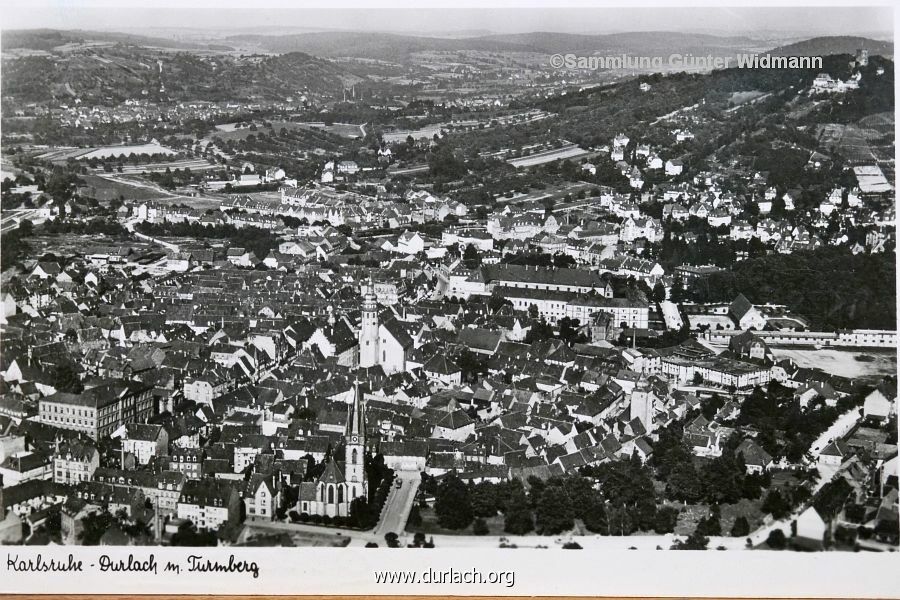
(388, 343)
(341, 483)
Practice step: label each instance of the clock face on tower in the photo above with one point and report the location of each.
(354, 439)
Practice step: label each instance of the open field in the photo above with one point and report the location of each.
(105, 190)
(845, 363)
(557, 192)
(230, 131)
(742, 97)
(63, 154)
(345, 130)
(391, 137)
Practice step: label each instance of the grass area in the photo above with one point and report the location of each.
(105, 190)
(750, 509)
(430, 526)
(295, 538)
(242, 133)
(688, 518)
(742, 97)
(345, 130)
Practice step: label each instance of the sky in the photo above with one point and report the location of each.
(502, 16)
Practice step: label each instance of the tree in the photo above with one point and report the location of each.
(452, 503)
(361, 514)
(659, 292)
(484, 499)
(666, 519)
(741, 527)
(518, 519)
(95, 525)
(594, 516)
(710, 525)
(65, 379)
(479, 527)
(392, 539)
(471, 257)
(553, 512)
(695, 541)
(568, 331)
(540, 330)
(776, 540)
(415, 517)
(684, 483)
(776, 505)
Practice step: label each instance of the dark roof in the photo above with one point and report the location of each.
(332, 474)
(542, 275)
(481, 339)
(440, 364)
(740, 306)
(753, 454)
(399, 333)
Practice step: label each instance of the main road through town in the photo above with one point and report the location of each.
(398, 504)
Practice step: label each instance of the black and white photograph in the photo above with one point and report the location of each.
(326, 279)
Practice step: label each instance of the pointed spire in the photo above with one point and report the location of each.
(356, 416)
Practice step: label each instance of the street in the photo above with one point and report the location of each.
(399, 503)
(671, 315)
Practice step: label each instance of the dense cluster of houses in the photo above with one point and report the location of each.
(206, 395)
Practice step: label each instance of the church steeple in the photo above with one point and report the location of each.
(356, 425)
(355, 447)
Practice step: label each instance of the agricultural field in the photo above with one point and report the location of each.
(866, 142)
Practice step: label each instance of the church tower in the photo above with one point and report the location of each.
(355, 448)
(642, 404)
(368, 331)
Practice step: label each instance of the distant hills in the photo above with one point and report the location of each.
(394, 47)
(115, 73)
(398, 48)
(839, 44)
(48, 39)
(381, 46)
(640, 43)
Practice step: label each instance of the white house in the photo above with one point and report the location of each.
(145, 441)
(878, 406)
(811, 528)
(674, 167)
